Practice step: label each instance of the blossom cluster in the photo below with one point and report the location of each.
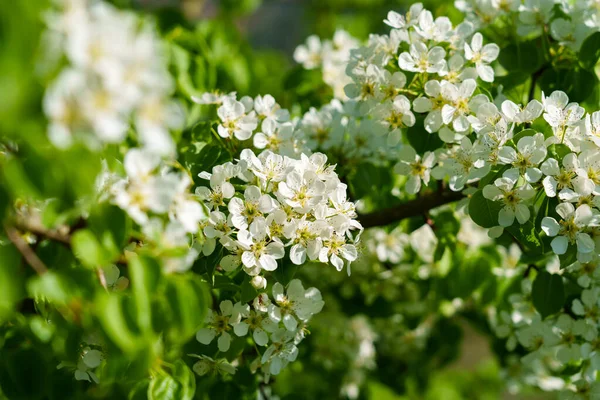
(281, 202)
(114, 75)
(279, 325)
(423, 66)
(329, 55)
(569, 23)
(158, 198)
(556, 341)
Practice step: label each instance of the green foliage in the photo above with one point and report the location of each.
(484, 212)
(548, 293)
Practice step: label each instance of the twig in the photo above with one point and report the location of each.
(412, 208)
(37, 229)
(32, 259)
(261, 387)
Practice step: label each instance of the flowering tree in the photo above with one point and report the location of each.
(168, 236)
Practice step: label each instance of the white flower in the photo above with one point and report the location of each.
(431, 105)
(592, 127)
(561, 115)
(438, 30)
(207, 365)
(305, 238)
(254, 205)
(566, 179)
(387, 246)
(218, 225)
(482, 56)
(533, 15)
(460, 104)
(588, 306)
(398, 21)
(236, 120)
(309, 54)
(281, 352)
(259, 323)
(294, 304)
(302, 190)
(212, 98)
(568, 329)
(514, 113)
(266, 107)
(416, 168)
(219, 325)
(143, 192)
(464, 164)
(184, 208)
(530, 152)
(512, 198)
(420, 59)
(275, 136)
(395, 116)
(336, 250)
(220, 189)
(258, 251)
(570, 228)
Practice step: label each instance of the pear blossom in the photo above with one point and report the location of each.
(482, 56)
(219, 324)
(417, 168)
(420, 59)
(236, 120)
(571, 229)
(294, 304)
(513, 198)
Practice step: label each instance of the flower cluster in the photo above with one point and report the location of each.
(329, 55)
(114, 75)
(278, 325)
(567, 23)
(260, 119)
(443, 64)
(556, 341)
(159, 199)
(281, 202)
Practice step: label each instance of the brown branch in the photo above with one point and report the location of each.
(412, 208)
(28, 254)
(26, 225)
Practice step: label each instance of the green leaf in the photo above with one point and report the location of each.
(589, 53)
(11, 280)
(548, 293)
(88, 250)
(248, 292)
(118, 323)
(23, 373)
(421, 140)
(527, 235)
(522, 134)
(558, 151)
(484, 212)
(578, 83)
(285, 272)
(206, 265)
(111, 225)
(180, 386)
(187, 300)
(145, 273)
(523, 57)
(569, 257)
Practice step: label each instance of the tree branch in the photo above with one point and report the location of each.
(27, 252)
(412, 208)
(27, 225)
